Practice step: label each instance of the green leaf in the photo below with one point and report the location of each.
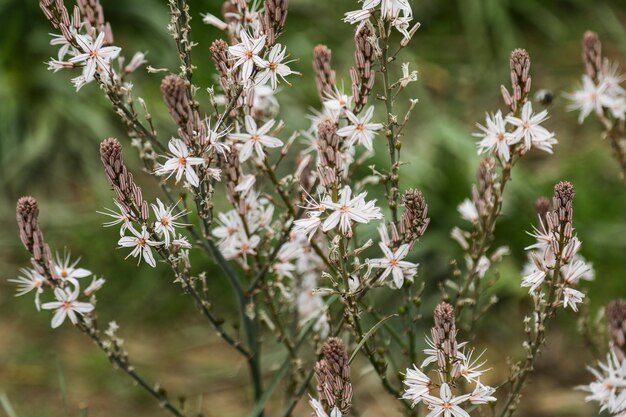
(368, 335)
(6, 405)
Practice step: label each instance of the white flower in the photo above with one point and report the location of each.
(495, 138)
(529, 128)
(180, 163)
(571, 298)
(357, 16)
(211, 139)
(30, 280)
(575, 270)
(407, 77)
(482, 266)
(467, 210)
(337, 101)
(213, 20)
(66, 306)
(123, 217)
(96, 284)
(181, 242)
(309, 225)
(141, 244)
(67, 272)
(446, 404)
(348, 210)
(255, 139)
(471, 367)
(96, 57)
(319, 409)
(482, 394)
(274, 67)
(390, 9)
(230, 226)
(247, 54)
(166, 221)
(590, 97)
(608, 388)
(533, 280)
(360, 130)
(393, 264)
(609, 76)
(417, 385)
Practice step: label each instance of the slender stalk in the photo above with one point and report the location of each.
(123, 364)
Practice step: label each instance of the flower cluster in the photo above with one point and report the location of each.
(454, 364)
(66, 290)
(501, 133)
(600, 91)
(327, 214)
(555, 255)
(398, 12)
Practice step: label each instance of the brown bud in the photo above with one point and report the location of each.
(616, 317)
(330, 167)
(444, 335)
(415, 218)
(274, 18)
(520, 76)
(177, 100)
(592, 54)
(324, 74)
(332, 376)
(27, 214)
(362, 75)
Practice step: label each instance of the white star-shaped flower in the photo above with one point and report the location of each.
(255, 139)
(348, 210)
(166, 221)
(393, 264)
(529, 128)
(446, 404)
(67, 305)
(28, 281)
(495, 138)
(274, 67)
(590, 98)
(180, 163)
(141, 243)
(417, 385)
(360, 130)
(247, 54)
(97, 58)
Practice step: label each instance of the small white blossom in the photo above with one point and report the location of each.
(495, 138)
(319, 409)
(97, 58)
(67, 271)
(141, 243)
(348, 210)
(467, 210)
(529, 128)
(28, 281)
(417, 385)
(96, 284)
(394, 264)
(360, 130)
(180, 163)
(123, 217)
(166, 221)
(274, 67)
(66, 306)
(255, 139)
(590, 98)
(482, 394)
(246, 54)
(446, 404)
(571, 298)
(407, 75)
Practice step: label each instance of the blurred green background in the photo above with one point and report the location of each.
(49, 139)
